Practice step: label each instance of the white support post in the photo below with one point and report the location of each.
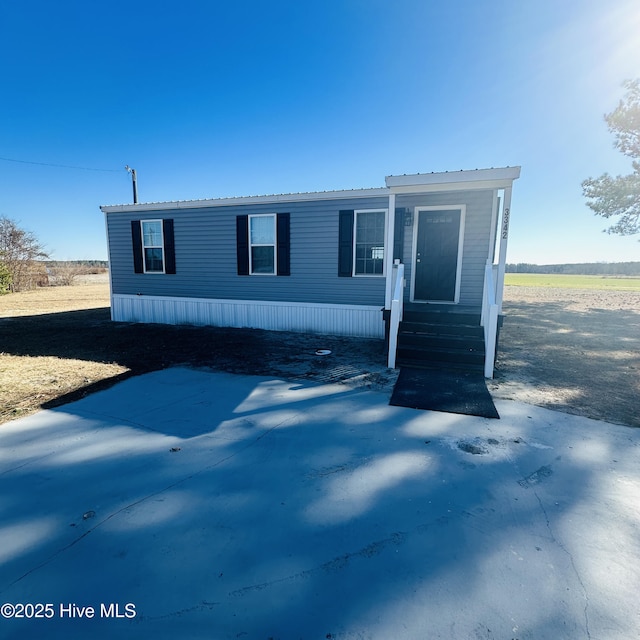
(394, 321)
(495, 211)
(395, 316)
(388, 254)
(490, 345)
(106, 228)
(504, 237)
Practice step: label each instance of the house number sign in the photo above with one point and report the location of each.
(505, 224)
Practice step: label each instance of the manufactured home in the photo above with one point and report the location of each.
(418, 262)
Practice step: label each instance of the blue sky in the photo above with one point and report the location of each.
(213, 99)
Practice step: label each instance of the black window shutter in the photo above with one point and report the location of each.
(345, 244)
(136, 239)
(242, 244)
(169, 246)
(284, 244)
(398, 235)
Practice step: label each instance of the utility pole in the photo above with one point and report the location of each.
(134, 180)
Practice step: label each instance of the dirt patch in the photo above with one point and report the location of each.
(573, 350)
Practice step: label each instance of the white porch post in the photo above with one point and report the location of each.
(504, 237)
(388, 255)
(494, 227)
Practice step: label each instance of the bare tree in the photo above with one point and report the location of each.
(66, 273)
(20, 252)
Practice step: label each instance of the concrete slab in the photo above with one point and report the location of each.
(192, 504)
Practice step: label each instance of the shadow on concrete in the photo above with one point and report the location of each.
(234, 506)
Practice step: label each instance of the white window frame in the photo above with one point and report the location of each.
(155, 246)
(384, 247)
(274, 216)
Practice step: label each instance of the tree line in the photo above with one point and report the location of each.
(582, 268)
(98, 265)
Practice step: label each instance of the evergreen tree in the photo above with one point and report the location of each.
(619, 197)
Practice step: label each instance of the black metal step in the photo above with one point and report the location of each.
(439, 364)
(440, 353)
(422, 328)
(454, 342)
(442, 317)
(441, 337)
(446, 337)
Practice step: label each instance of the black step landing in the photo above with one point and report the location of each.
(449, 391)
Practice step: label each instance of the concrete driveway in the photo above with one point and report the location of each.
(190, 504)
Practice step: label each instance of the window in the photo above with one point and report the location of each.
(152, 246)
(369, 243)
(262, 244)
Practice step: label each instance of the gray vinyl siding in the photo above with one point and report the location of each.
(205, 253)
(476, 237)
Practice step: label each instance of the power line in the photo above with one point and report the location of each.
(60, 166)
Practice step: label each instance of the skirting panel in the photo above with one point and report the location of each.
(344, 320)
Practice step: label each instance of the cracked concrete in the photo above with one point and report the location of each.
(229, 506)
(562, 546)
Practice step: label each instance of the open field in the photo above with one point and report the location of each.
(576, 350)
(566, 281)
(93, 295)
(573, 350)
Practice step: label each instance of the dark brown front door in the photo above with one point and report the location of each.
(437, 255)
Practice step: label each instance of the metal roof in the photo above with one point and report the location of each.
(418, 182)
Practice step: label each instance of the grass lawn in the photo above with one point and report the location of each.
(565, 281)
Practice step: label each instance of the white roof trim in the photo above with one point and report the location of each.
(270, 199)
(444, 180)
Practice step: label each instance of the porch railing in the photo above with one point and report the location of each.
(396, 313)
(489, 320)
